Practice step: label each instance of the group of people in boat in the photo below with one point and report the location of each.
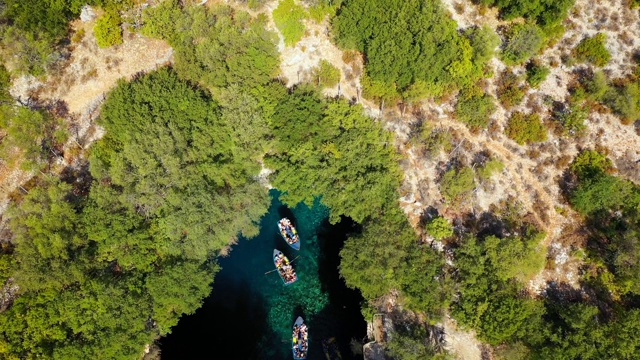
(300, 341)
(285, 268)
(288, 231)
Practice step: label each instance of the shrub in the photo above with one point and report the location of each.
(457, 184)
(571, 118)
(597, 86)
(625, 101)
(522, 42)
(491, 167)
(525, 129)
(107, 30)
(288, 18)
(439, 228)
(589, 163)
(536, 73)
(510, 91)
(326, 75)
(592, 49)
(474, 108)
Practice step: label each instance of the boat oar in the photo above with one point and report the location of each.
(270, 271)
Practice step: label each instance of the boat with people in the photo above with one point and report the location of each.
(289, 233)
(285, 270)
(300, 339)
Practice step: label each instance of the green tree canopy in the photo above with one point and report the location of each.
(215, 46)
(405, 42)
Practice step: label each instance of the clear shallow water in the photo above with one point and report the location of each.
(249, 314)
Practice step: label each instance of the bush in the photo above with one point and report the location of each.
(326, 75)
(510, 92)
(625, 101)
(522, 42)
(571, 118)
(525, 129)
(597, 86)
(592, 49)
(474, 108)
(439, 228)
(288, 18)
(486, 171)
(457, 184)
(536, 73)
(107, 30)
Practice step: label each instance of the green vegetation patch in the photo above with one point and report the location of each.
(522, 42)
(439, 228)
(536, 73)
(107, 29)
(474, 108)
(593, 50)
(456, 184)
(288, 17)
(215, 46)
(406, 42)
(325, 74)
(525, 129)
(545, 13)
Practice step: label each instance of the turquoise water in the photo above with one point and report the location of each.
(250, 312)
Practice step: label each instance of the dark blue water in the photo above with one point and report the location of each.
(249, 314)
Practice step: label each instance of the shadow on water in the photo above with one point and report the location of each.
(249, 314)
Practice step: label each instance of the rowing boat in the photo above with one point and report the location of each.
(289, 233)
(281, 263)
(300, 339)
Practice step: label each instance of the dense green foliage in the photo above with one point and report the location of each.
(187, 175)
(171, 189)
(439, 228)
(474, 108)
(107, 29)
(407, 43)
(489, 296)
(325, 74)
(592, 49)
(522, 42)
(489, 168)
(215, 46)
(288, 17)
(536, 74)
(456, 184)
(546, 13)
(333, 146)
(525, 129)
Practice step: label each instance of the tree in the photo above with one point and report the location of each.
(474, 108)
(215, 46)
(439, 228)
(333, 146)
(325, 74)
(455, 184)
(188, 177)
(405, 42)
